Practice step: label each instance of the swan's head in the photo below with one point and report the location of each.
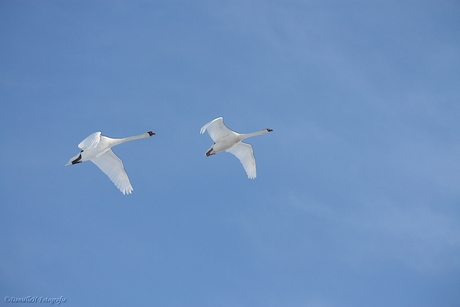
(151, 133)
(269, 130)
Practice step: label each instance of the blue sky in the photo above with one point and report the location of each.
(356, 200)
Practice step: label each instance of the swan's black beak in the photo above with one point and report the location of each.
(151, 133)
(269, 130)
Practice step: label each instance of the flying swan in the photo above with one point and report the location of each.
(230, 141)
(98, 149)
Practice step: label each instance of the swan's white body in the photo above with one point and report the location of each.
(98, 149)
(231, 141)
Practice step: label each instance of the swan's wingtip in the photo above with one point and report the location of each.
(127, 192)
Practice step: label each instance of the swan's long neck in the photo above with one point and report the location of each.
(248, 135)
(131, 138)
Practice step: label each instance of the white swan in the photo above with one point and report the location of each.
(97, 149)
(230, 141)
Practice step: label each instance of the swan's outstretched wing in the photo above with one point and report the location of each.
(216, 129)
(244, 152)
(91, 141)
(112, 166)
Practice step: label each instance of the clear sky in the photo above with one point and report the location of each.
(356, 200)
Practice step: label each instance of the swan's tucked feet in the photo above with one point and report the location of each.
(77, 160)
(208, 153)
